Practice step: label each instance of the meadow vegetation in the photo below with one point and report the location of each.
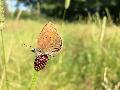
(88, 48)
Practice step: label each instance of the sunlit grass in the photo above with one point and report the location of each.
(80, 64)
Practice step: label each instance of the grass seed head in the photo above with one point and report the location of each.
(67, 4)
(2, 18)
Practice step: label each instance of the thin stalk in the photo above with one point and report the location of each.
(33, 81)
(64, 13)
(103, 29)
(4, 60)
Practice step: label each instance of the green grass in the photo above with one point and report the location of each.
(88, 48)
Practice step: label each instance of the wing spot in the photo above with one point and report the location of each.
(56, 49)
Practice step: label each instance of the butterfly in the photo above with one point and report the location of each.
(49, 43)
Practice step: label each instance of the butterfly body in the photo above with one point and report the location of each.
(48, 44)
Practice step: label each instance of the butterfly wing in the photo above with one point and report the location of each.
(49, 41)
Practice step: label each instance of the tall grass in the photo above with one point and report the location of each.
(2, 20)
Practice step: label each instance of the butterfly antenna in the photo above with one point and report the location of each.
(29, 46)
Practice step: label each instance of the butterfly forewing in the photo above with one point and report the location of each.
(49, 40)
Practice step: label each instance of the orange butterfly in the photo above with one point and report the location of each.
(48, 44)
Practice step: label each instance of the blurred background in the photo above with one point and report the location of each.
(90, 56)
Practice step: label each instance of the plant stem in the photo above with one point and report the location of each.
(64, 13)
(33, 81)
(4, 60)
(103, 27)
